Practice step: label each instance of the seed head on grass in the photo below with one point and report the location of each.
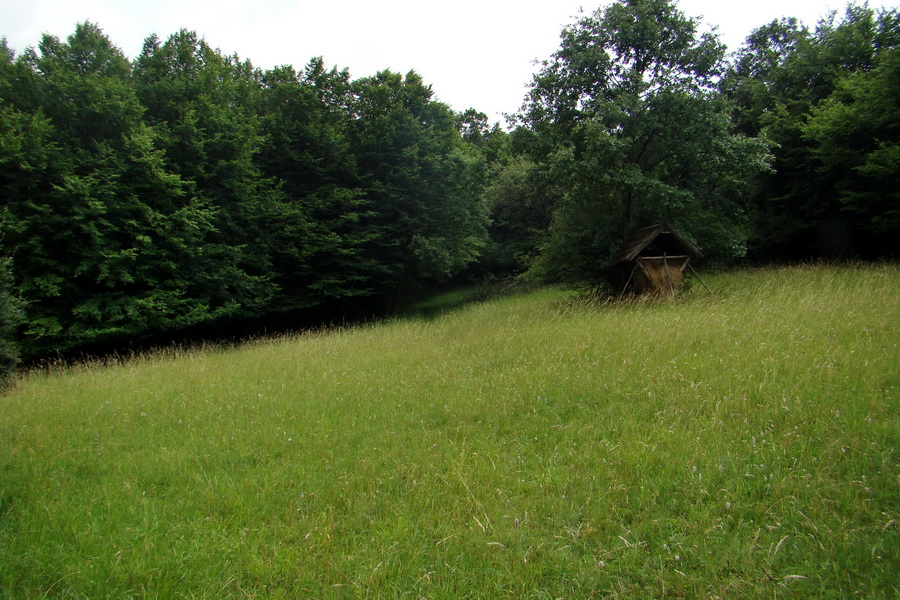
(521, 447)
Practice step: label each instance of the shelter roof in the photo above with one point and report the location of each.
(662, 236)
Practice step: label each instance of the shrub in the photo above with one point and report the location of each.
(10, 318)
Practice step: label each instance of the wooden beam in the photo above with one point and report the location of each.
(700, 280)
(668, 275)
(630, 275)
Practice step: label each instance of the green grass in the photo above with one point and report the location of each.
(742, 445)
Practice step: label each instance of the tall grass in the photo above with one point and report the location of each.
(742, 444)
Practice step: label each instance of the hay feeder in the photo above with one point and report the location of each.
(657, 258)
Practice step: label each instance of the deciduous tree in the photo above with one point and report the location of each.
(626, 117)
(423, 183)
(783, 75)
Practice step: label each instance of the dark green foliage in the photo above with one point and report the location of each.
(109, 243)
(319, 256)
(794, 86)
(855, 139)
(202, 105)
(10, 319)
(190, 189)
(624, 118)
(521, 204)
(423, 182)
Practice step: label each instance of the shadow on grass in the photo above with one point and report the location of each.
(437, 303)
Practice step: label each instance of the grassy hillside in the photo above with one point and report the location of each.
(745, 444)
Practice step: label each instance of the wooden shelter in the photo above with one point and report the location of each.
(657, 258)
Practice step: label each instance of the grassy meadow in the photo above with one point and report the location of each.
(744, 444)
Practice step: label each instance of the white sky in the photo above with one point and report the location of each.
(474, 53)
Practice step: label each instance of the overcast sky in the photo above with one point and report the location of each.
(474, 53)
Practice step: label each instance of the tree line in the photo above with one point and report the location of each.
(187, 188)
(784, 150)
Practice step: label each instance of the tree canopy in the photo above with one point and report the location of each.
(626, 118)
(795, 87)
(187, 188)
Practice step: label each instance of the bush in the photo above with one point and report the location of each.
(10, 318)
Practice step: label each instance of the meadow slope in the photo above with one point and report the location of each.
(738, 445)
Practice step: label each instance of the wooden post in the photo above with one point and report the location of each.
(630, 275)
(668, 276)
(644, 270)
(698, 279)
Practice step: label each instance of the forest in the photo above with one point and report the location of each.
(188, 191)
